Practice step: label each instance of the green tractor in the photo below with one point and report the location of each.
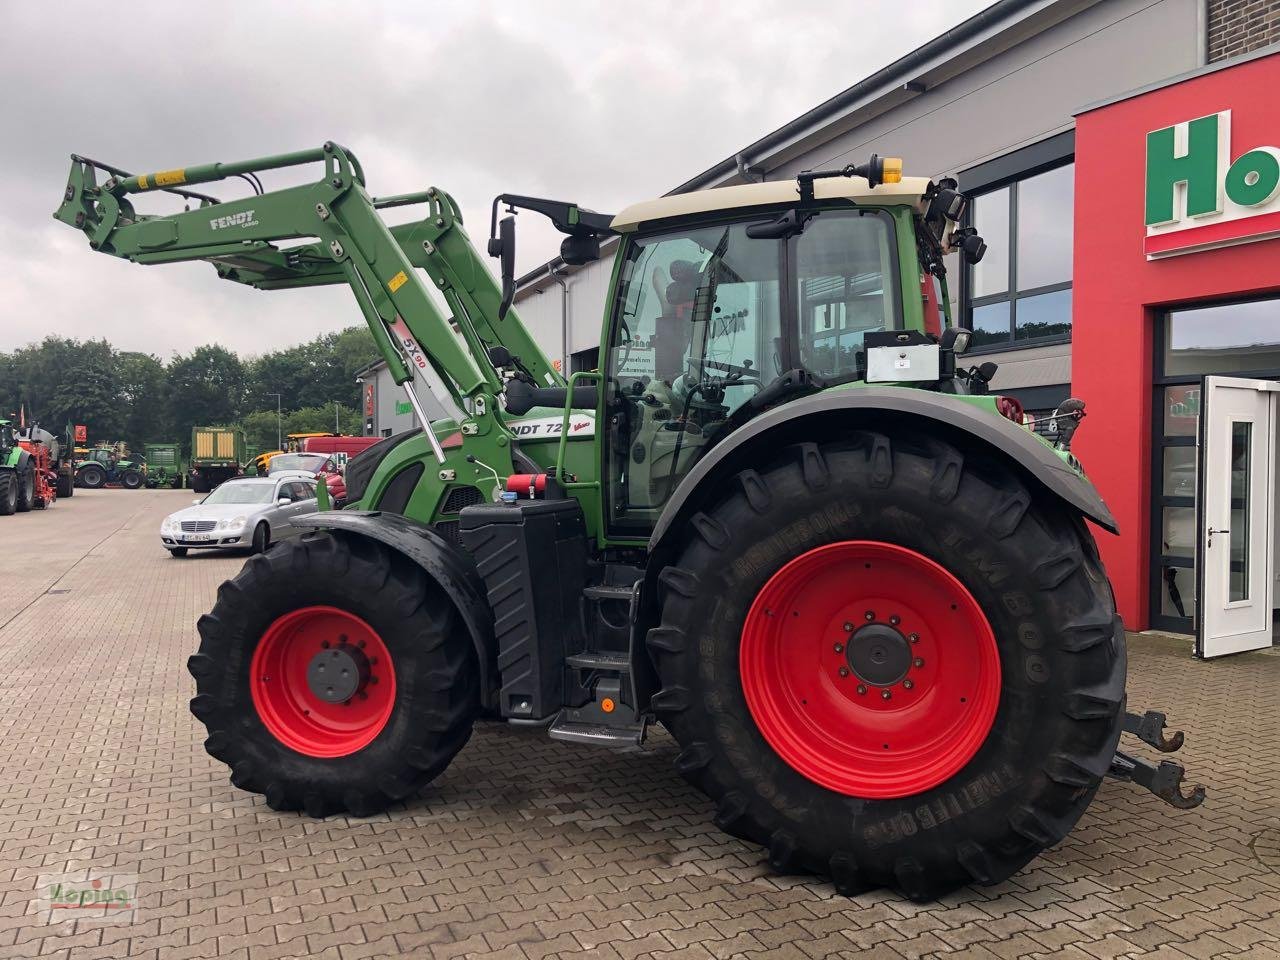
(109, 464)
(164, 465)
(782, 520)
(17, 473)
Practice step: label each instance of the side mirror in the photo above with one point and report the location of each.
(957, 339)
(197, 501)
(504, 248)
(284, 501)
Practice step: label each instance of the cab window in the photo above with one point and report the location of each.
(707, 317)
(698, 333)
(843, 288)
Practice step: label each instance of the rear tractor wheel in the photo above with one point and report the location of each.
(909, 673)
(334, 676)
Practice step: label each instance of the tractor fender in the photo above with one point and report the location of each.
(445, 563)
(825, 413)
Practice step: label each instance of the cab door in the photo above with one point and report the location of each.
(1237, 514)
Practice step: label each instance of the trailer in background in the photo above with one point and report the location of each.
(217, 454)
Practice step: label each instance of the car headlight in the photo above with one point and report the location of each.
(233, 524)
(169, 525)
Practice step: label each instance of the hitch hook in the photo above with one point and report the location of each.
(1165, 780)
(1149, 728)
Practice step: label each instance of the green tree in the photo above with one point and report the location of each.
(143, 393)
(206, 388)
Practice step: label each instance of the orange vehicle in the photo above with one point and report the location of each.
(45, 473)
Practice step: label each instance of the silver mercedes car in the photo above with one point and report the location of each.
(249, 512)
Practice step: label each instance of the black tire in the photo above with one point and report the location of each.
(66, 483)
(26, 480)
(261, 538)
(92, 477)
(1030, 564)
(177, 551)
(131, 480)
(8, 492)
(437, 685)
(198, 485)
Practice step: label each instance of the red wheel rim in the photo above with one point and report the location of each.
(840, 619)
(293, 694)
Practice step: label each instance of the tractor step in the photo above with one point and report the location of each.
(597, 734)
(610, 592)
(603, 660)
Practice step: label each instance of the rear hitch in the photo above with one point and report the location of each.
(1149, 728)
(1164, 779)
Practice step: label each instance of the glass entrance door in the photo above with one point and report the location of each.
(1236, 519)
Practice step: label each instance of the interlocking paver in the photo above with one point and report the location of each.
(526, 848)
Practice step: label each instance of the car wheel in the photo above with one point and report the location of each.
(261, 538)
(178, 551)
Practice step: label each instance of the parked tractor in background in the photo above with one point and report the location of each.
(109, 464)
(217, 454)
(17, 473)
(164, 465)
(780, 520)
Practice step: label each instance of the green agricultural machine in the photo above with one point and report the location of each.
(217, 454)
(164, 465)
(109, 464)
(782, 520)
(17, 473)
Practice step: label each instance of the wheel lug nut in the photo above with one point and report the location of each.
(375, 680)
(848, 628)
(838, 648)
(324, 644)
(869, 615)
(862, 688)
(914, 638)
(895, 619)
(885, 694)
(844, 671)
(918, 661)
(907, 684)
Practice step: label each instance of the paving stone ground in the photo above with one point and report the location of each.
(526, 848)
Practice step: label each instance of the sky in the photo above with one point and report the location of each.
(603, 104)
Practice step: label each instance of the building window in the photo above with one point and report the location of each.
(1236, 339)
(1020, 294)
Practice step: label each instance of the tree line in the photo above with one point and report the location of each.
(139, 398)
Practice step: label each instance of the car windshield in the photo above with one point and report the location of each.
(310, 462)
(233, 492)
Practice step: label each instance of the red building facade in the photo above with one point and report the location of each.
(1177, 275)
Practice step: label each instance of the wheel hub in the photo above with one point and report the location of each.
(337, 674)
(879, 655)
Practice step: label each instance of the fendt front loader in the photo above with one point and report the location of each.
(780, 519)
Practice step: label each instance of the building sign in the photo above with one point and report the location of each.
(82, 433)
(1198, 198)
(403, 407)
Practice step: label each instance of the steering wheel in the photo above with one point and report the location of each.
(736, 374)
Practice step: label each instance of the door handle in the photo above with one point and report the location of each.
(1212, 531)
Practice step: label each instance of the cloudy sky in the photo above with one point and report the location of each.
(601, 103)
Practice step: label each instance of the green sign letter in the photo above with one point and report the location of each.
(1197, 168)
(1253, 178)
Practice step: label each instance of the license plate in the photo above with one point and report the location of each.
(197, 538)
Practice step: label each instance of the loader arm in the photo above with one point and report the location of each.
(345, 240)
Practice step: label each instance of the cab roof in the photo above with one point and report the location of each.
(771, 192)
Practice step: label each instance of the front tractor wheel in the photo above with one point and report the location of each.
(892, 664)
(334, 676)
